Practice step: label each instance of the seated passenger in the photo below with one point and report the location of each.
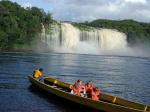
(75, 90)
(78, 88)
(38, 73)
(81, 88)
(96, 94)
(89, 88)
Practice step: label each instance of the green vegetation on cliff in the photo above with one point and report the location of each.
(19, 26)
(136, 32)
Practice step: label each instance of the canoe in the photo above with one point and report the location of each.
(107, 103)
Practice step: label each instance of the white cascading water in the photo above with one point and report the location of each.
(67, 38)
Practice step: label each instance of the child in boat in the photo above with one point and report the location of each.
(89, 88)
(38, 73)
(96, 94)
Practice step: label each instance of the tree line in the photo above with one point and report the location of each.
(19, 25)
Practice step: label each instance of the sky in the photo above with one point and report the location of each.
(88, 10)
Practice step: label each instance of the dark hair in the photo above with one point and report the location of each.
(96, 89)
(78, 81)
(41, 69)
(90, 81)
(75, 86)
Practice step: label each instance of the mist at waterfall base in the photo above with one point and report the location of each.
(66, 38)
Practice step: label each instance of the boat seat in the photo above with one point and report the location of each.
(148, 109)
(53, 86)
(57, 87)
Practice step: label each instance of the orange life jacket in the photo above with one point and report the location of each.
(75, 90)
(37, 74)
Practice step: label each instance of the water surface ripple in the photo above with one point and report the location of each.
(127, 77)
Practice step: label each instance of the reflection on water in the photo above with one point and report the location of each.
(126, 77)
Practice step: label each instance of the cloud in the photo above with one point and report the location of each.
(82, 10)
(136, 1)
(88, 10)
(27, 4)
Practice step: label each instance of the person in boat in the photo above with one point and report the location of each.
(75, 90)
(96, 93)
(89, 88)
(38, 73)
(78, 88)
(81, 88)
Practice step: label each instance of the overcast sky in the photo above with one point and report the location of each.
(87, 10)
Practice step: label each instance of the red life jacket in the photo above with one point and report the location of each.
(89, 89)
(80, 86)
(95, 95)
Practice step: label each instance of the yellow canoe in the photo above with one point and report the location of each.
(106, 103)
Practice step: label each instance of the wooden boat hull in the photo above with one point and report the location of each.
(99, 105)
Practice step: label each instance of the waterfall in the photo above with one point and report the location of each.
(67, 38)
(43, 33)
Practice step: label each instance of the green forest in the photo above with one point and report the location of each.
(19, 26)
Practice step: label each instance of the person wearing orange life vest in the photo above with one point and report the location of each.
(78, 88)
(74, 90)
(96, 94)
(89, 88)
(38, 73)
(81, 87)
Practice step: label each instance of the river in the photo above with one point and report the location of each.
(127, 77)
